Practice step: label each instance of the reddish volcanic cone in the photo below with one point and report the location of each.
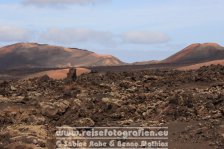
(197, 53)
(33, 55)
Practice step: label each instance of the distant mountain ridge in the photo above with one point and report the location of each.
(32, 55)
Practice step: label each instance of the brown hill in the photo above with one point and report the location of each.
(57, 74)
(199, 65)
(197, 53)
(32, 55)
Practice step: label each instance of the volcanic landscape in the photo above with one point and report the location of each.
(184, 92)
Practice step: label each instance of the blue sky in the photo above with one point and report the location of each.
(132, 30)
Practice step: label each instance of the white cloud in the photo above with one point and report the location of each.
(144, 37)
(60, 2)
(73, 35)
(14, 34)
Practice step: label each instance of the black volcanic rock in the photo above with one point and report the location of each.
(31, 110)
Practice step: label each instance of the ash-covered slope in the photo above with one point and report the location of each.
(23, 55)
(197, 53)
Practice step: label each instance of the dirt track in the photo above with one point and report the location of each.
(191, 103)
